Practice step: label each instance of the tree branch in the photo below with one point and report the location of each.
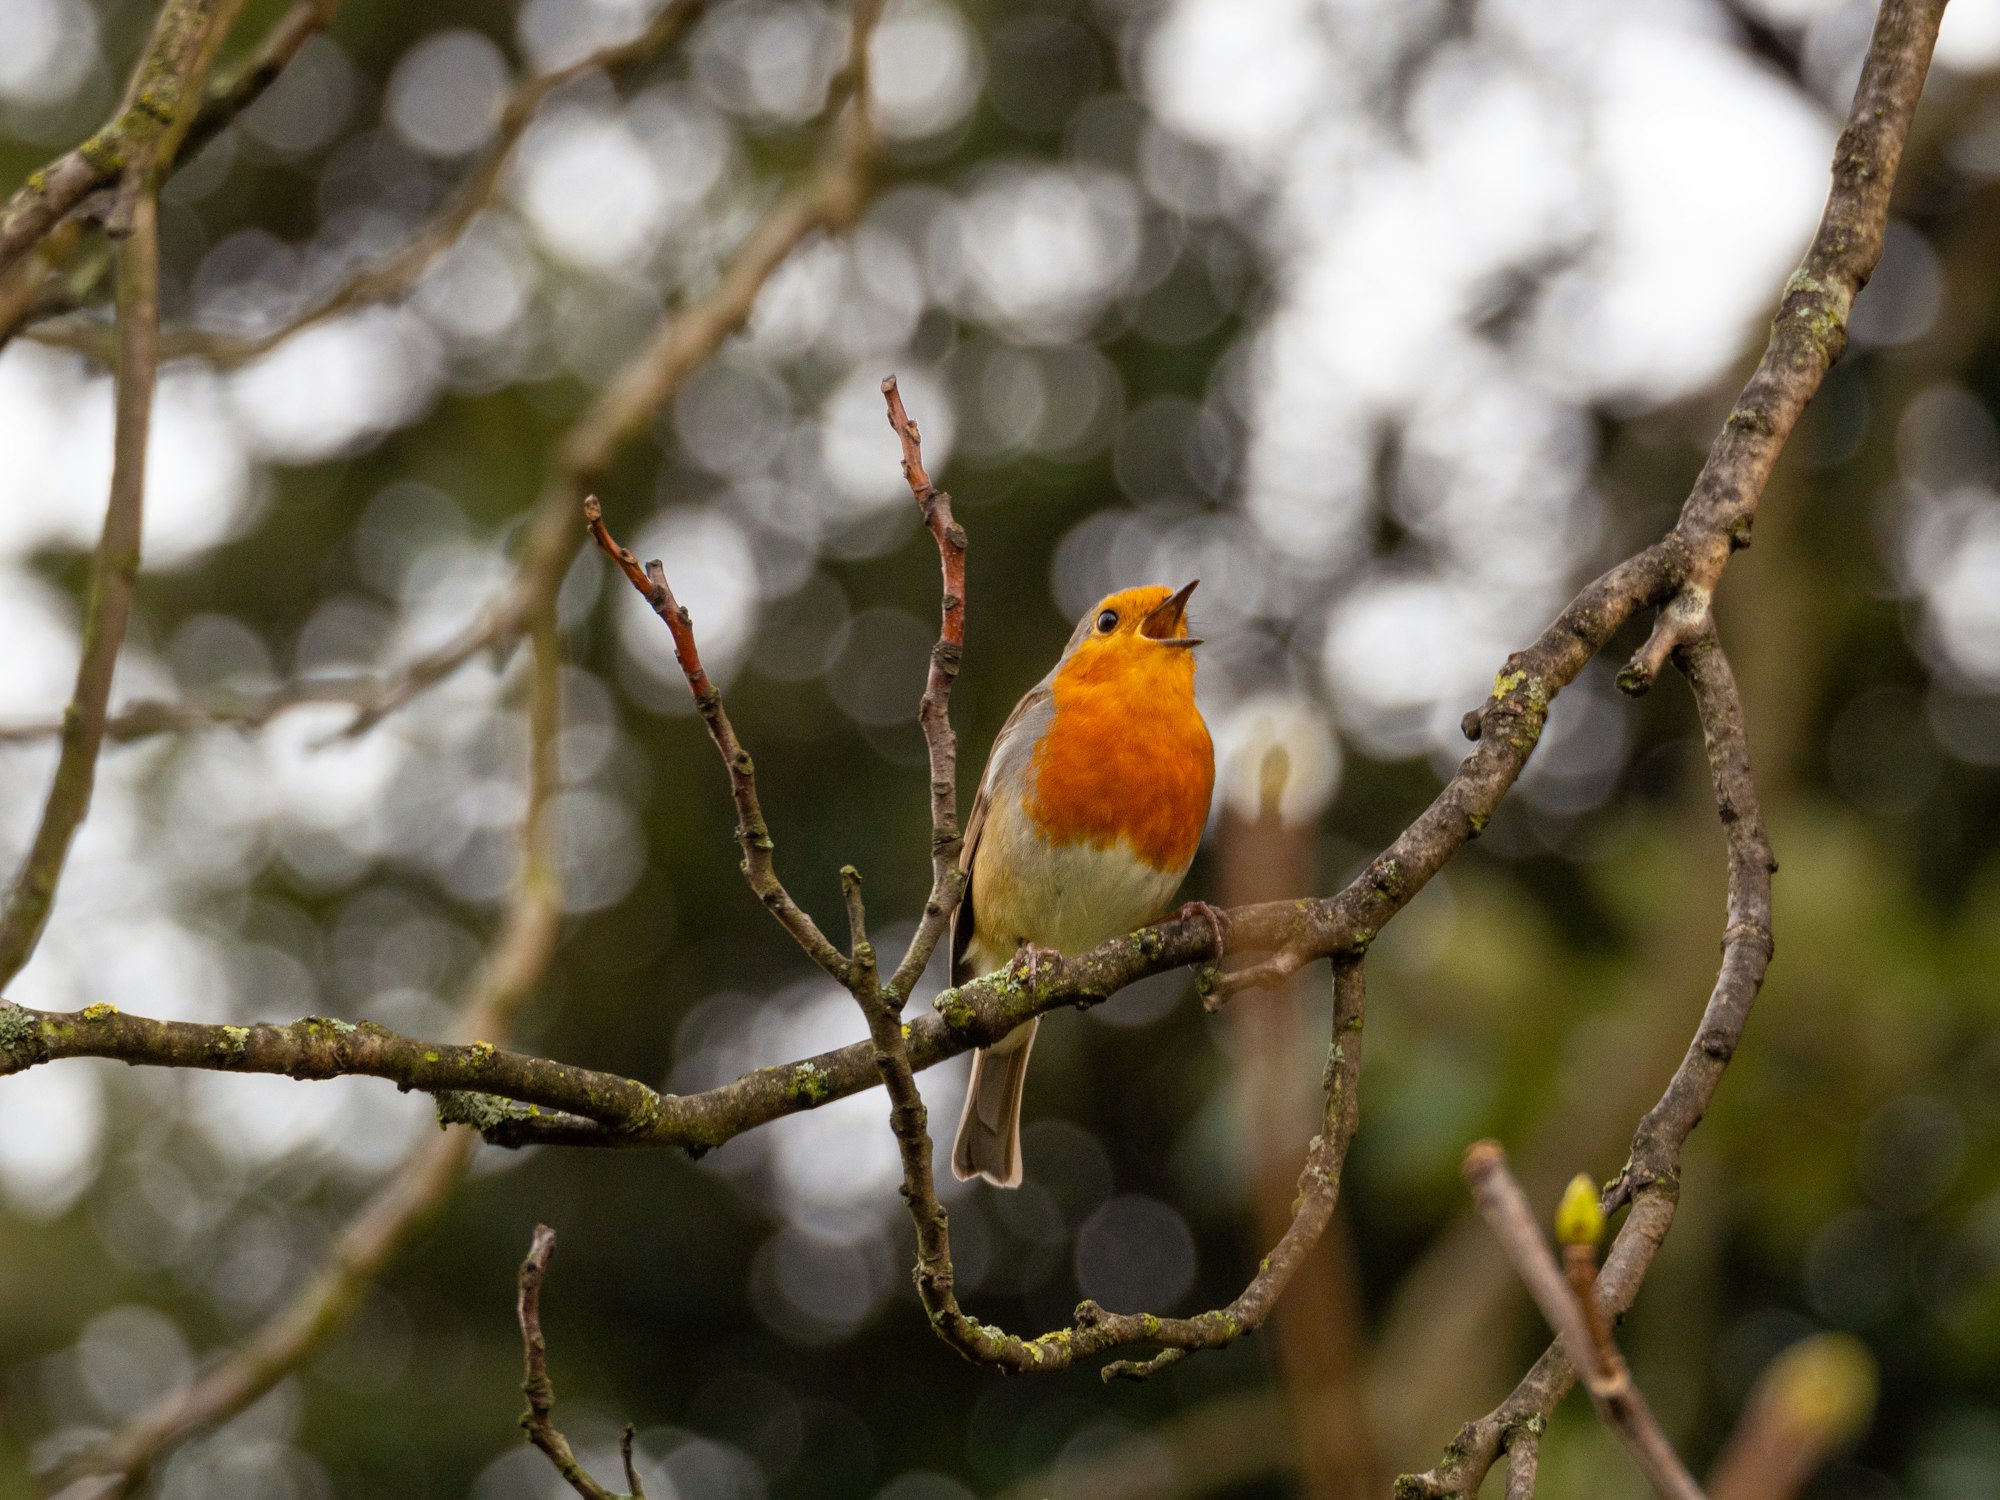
(1506, 728)
(1584, 1338)
(29, 289)
(1809, 332)
(829, 197)
(556, 1103)
(410, 1200)
(1809, 1401)
(236, 88)
(144, 133)
(1097, 1331)
(934, 710)
(1524, 1456)
(596, 1108)
(753, 835)
(538, 1420)
(519, 1099)
(150, 716)
(1650, 1181)
(114, 579)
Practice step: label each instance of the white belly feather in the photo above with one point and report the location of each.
(1068, 897)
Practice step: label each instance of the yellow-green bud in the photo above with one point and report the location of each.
(1579, 1221)
(1825, 1385)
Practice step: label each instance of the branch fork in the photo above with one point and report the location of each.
(1684, 620)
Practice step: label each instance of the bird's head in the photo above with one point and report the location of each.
(1142, 630)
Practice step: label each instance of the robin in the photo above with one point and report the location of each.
(1093, 801)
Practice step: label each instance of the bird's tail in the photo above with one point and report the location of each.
(989, 1132)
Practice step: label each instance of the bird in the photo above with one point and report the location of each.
(1088, 814)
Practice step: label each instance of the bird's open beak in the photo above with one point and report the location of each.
(1167, 620)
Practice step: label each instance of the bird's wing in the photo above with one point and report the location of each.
(1012, 747)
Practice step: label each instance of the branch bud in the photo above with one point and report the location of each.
(1579, 1221)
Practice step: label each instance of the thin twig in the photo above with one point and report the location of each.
(150, 716)
(1097, 1331)
(1605, 1375)
(113, 582)
(33, 286)
(1222, 984)
(753, 835)
(948, 880)
(234, 89)
(538, 1420)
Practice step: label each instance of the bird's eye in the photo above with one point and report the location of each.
(1107, 622)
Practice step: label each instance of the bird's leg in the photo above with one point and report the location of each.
(1217, 919)
(1026, 967)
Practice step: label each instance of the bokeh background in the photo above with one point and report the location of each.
(1392, 323)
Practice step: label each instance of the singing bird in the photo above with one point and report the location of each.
(1093, 801)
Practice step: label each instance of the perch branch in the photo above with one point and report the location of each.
(559, 1103)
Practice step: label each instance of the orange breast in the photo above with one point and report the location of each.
(1126, 757)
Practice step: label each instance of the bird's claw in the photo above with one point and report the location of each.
(1217, 919)
(1026, 967)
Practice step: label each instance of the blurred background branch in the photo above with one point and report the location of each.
(114, 577)
(417, 1189)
